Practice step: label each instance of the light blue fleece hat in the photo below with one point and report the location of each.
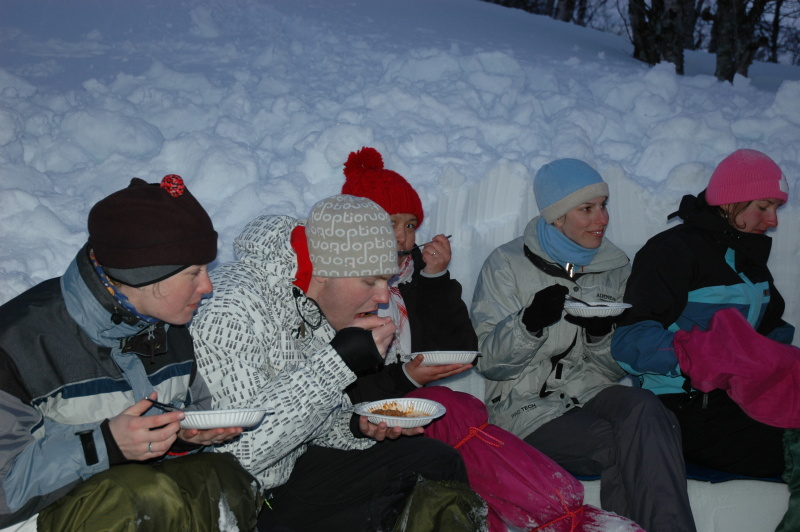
(563, 184)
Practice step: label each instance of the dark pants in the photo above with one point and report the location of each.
(626, 436)
(718, 434)
(332, 489)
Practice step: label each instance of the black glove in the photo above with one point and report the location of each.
(594, 326)
(545, 309)
(357, 348)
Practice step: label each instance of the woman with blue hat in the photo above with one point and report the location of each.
(551, 379)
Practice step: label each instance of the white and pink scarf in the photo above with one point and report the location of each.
(396, 309)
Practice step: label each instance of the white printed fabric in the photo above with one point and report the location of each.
(248, 350)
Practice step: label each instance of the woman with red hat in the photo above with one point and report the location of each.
(85, 356)
(426, 303)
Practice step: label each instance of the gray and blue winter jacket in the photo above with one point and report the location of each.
(66, 368)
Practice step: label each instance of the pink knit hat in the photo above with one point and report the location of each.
(746, 175)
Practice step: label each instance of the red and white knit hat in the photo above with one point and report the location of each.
(746, 175)
(366, 177)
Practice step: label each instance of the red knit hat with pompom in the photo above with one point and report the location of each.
(366, 177)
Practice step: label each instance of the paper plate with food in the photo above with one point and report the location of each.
(214, 419)
(401, 412)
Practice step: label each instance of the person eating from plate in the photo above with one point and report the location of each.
(425, 301)
(82, 357)
(291, 327)
(551, 379)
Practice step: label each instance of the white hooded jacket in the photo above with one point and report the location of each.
(254, 349)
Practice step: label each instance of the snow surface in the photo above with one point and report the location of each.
(258, 103)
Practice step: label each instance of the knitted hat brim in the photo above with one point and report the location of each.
(752, 191)
(558, 209)
(144, 276)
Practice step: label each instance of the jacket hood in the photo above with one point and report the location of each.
(608, 256)
(695, 210)
(266, 242)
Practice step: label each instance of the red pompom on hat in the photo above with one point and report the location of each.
(366, 177)
(746, 175)
(147, 232)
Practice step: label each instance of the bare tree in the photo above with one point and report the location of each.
(657, 31)
(775, 32)
(691, 14)
(564, 10)
(733, 36)
(781, 25)
(738, 31)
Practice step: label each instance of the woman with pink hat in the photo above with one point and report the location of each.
(716, 259)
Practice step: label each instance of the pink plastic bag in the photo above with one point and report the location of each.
(524, 489)
(761, 375)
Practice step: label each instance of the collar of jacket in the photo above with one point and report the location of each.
(550, 268)
(696, 212)
(92, 307)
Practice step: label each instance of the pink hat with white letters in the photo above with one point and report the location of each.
(746, 175)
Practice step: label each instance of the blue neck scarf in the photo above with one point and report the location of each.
(560, 248)
(121, 298)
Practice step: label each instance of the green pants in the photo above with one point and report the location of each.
(199, 492)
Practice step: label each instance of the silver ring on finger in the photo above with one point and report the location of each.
(149, 448)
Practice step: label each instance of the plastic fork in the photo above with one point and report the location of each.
(405, 252)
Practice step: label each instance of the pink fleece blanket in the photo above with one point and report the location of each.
(761, 375)
(523, 488)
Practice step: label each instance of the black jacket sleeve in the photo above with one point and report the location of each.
(388, 382)
(438, 317)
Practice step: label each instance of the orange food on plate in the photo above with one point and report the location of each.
(394, 410)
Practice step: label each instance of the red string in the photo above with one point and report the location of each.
(573, 514)
(477, 431)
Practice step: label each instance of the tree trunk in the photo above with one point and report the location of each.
(642, 33)
(774, 33)
(736, 42)
(580, 19)
(657, 31)
(691, 12)
(564, 10)
(671, 36)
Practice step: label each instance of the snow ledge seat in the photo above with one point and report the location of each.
(729, 506)
(737, 505)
